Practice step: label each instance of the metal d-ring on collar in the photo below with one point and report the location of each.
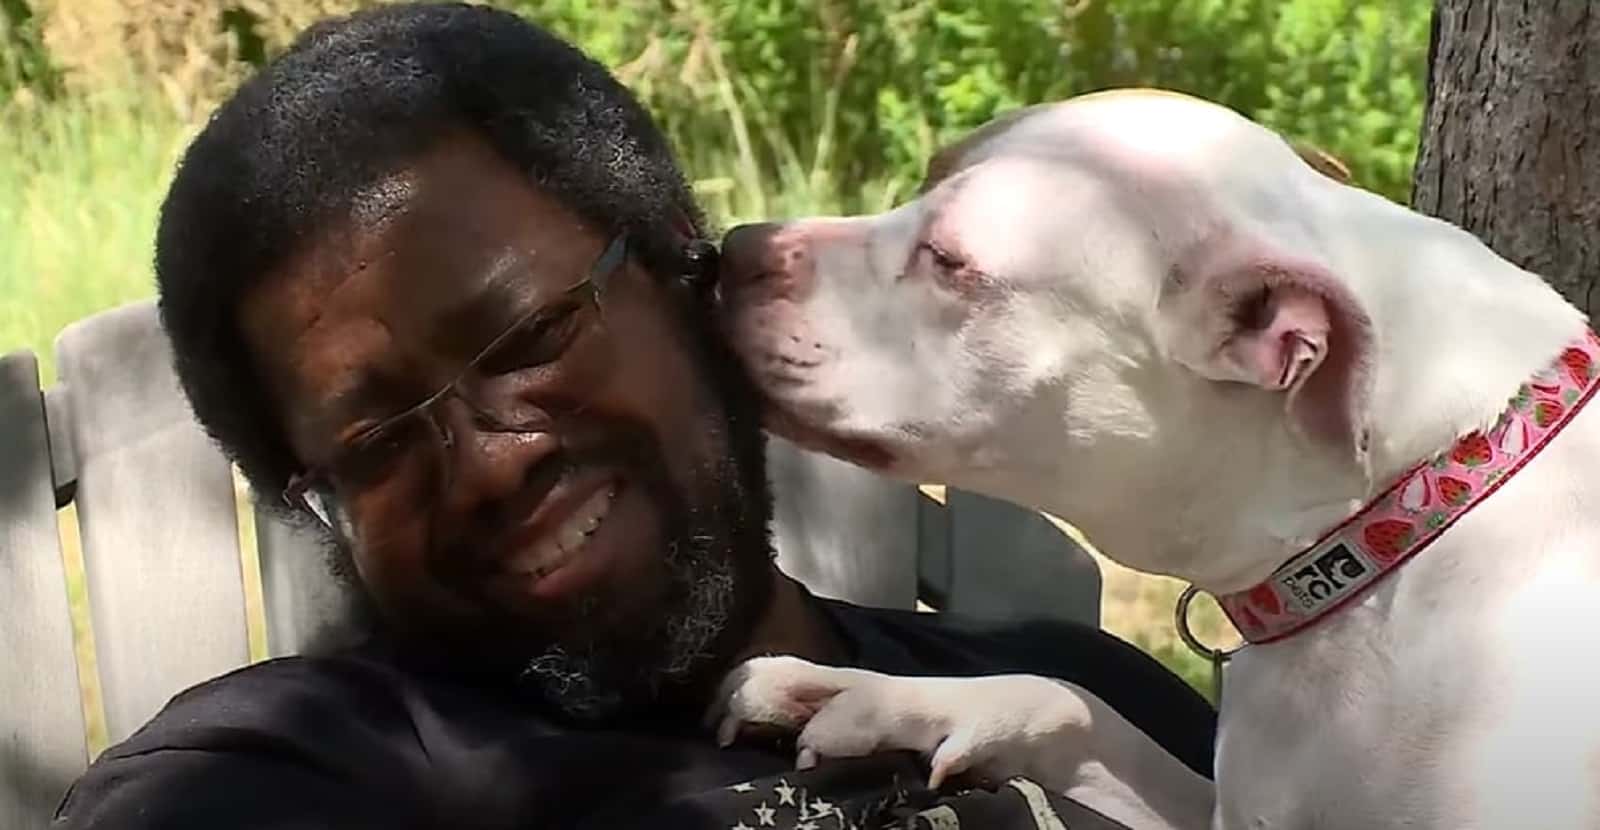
(1215, 656)
(1181, 622)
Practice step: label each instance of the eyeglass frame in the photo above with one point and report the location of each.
(305, 488)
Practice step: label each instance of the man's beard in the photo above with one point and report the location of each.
(718, 572)
(624, 657)
(717, 577)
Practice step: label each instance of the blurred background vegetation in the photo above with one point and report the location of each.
(777, 108)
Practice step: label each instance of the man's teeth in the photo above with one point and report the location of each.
(570, 537)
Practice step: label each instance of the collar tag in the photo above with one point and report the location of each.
(1324, 575)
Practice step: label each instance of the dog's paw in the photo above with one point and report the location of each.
(838, 713)
(988, 727)
(774, 693)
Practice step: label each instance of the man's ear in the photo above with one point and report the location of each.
(1280, 323)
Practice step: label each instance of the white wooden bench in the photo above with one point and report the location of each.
(160, 536)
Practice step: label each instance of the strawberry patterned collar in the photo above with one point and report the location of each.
(1420, 506)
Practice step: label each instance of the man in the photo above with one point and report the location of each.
(426, 275)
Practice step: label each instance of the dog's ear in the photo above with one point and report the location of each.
(1323, 162)
(1280, 323)
(948, 159)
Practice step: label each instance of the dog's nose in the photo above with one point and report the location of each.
(772, 258)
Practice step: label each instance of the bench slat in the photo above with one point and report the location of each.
(156, 508)
(42, 747)
(307, 611)
(842, 531)
(1009, 563)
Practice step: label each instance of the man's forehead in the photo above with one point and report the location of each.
(431, 233)
(429, 257)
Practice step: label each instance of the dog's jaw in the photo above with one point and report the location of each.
(863, 451)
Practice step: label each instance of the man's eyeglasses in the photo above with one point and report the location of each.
(417, 435)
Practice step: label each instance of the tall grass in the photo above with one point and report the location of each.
(81, 181)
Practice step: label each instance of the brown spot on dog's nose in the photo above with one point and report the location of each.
(770, 258)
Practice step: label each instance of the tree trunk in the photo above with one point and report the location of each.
(1511, 134)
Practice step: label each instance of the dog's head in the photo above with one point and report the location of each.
(1073, 287)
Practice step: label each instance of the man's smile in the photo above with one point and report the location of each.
(560, 531)
(594, 526)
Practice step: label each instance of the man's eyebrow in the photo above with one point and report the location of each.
(370, 391)
(462, 328)
(368, 395)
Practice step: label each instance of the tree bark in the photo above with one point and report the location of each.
(1511, 134)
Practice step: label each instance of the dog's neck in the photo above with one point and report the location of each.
(1458, 329)
(1455, 331)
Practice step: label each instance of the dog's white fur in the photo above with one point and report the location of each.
(1062, 318)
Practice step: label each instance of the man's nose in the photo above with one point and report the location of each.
(767, 261)
(490, 465)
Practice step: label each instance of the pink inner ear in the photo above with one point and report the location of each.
(1287, 342)
(1307, 337)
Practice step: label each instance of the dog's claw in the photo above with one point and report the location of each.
(807, 759)
(950, 758)
(727, 731)
(713, 714)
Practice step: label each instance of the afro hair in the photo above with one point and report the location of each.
(350, 101)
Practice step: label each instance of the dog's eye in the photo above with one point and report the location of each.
(942, 257)
(950, 270)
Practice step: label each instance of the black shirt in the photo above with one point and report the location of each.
(360, 740)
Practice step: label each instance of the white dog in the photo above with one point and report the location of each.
(1144, 313)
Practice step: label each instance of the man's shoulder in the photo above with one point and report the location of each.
(273, 743)
(921, 643)
(287, 696)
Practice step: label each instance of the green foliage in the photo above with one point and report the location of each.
(24, 61)
(81, 180)
(789, 106)
(839, 103)
(1353, 81)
